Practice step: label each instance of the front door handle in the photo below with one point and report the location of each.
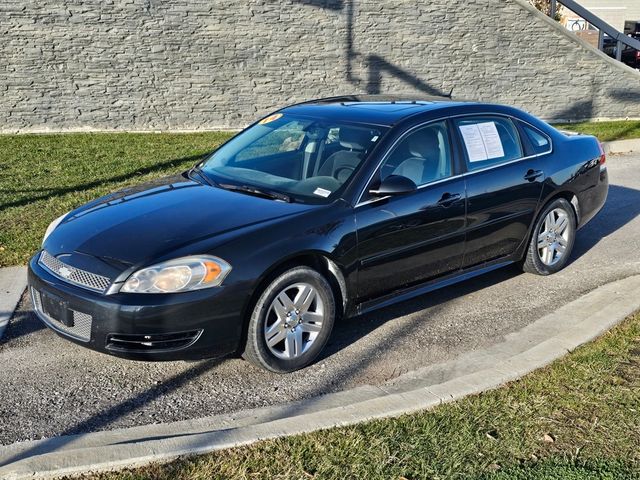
(449, 199)
(531, 175)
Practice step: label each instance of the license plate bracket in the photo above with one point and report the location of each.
(57, 308)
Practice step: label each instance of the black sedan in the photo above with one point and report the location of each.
(322, 210)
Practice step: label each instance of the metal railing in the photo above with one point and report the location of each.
(602, 26)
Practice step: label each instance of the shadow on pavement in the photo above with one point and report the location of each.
(623, 206)
(105, 417)
(23, 323)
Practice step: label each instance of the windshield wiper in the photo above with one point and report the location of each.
(198, 171)
(257, 191)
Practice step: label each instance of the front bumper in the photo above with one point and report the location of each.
(184, 326)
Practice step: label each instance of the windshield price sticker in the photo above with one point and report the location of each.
(270, 118)
(482, 141)
(322, 192)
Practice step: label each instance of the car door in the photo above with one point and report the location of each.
(503, 184)
(407, 239)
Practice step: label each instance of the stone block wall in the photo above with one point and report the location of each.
(68, 65)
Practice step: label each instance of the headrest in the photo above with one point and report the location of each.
(353, 138)
(424, 143)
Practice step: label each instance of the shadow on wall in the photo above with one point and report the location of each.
(585, 109)
(376, 65)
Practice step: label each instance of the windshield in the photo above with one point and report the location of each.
(307, 159)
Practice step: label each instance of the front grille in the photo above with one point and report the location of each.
(81, 329)
(70, 274)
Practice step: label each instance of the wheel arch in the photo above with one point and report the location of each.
(569, 196)
(316, 260)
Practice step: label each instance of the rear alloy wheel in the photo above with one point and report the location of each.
(552, 239)
(291, 321)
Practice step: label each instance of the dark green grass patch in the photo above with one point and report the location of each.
(606, 131)
(44, 176)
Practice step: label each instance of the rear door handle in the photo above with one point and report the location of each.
(449, 199)
(531, 175)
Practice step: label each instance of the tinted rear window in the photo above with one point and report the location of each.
(488, 141)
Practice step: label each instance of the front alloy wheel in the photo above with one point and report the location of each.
(291, 321)
(294, 321)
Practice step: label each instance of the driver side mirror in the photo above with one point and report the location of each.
(394, 185)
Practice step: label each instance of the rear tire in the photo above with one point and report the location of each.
(291, 321)
(552, 239)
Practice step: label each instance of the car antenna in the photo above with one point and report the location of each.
(450, 94)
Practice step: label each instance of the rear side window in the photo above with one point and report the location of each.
(539, 141)
(488, 141)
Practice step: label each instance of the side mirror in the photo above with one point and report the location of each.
(394, 185)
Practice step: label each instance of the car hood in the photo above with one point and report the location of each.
(146, 222)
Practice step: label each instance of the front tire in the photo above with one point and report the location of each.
(291, 322)
(552, 239)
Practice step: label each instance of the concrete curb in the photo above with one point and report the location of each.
(521, 352)
(13, 281)
(622, 146)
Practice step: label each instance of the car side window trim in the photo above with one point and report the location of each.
(455, 149)
(515, 121)
(522, 126)
(391, 149)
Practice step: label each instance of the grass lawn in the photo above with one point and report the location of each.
(44, 176)
(606, 131)
(576, 419)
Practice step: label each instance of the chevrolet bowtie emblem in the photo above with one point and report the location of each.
(64, 272)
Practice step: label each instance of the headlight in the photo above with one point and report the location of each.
(179, 275)
(52, 226)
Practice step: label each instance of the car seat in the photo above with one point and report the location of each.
(340, 165)
(424, 164)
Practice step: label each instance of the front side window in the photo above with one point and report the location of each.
(305, 158)
(424, 156)
(488, 141)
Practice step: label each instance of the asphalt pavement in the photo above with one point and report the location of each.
(52, 387)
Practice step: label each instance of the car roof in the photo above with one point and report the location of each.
(372, 109)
